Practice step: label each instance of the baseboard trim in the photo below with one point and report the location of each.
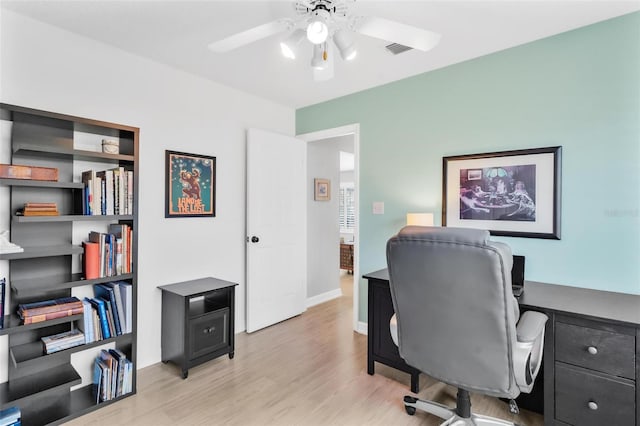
(363, 328)
(324, 297)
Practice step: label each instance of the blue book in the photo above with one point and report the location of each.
(106, 292)
(10, 416)
(102, 313)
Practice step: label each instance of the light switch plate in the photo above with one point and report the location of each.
(378, 207)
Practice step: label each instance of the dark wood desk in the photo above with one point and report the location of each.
(591, 354)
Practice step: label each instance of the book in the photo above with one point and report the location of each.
(112, 327)
(102, 314)
(119, 308)
(61, 341)
(99, 238)
(3, 285)
(107, 293)
(91, 260)
(14, 171)
(87, 321)
(48, 306)
(10, 416)
(126, 292)
(122, 233)
(22, 212)
(129, 192)
(41, 205)
(88, 179)
(32, 319)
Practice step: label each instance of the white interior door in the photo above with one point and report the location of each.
(276, 228)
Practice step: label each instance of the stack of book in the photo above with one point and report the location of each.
(62, 341)
(109, 314)
(112, 375)
(108, 192)
(49, 309)
(10, 417)
(109, 254)
(39, 209)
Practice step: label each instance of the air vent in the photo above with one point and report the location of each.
(397, 48)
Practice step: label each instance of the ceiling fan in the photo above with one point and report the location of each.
(321, 21)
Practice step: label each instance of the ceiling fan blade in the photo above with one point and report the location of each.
(250, 35)
(396, 32)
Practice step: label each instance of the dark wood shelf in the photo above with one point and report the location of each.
(41, 384)
(41, 183)
(57, 282)
(29, 354)
(44, 251)
(71, 218)
(77, 154)
(20, 391)
(13, 323)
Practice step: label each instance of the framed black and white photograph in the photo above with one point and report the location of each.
(510, 193)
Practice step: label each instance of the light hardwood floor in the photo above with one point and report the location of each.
(309, 370)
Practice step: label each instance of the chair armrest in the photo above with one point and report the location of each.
(530, 326)
(527, 354)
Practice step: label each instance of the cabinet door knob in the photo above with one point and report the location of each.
(592, 405)
(592, 350)
(209, 330)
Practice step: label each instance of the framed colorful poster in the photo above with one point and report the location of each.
(190, 189)
(510, 193)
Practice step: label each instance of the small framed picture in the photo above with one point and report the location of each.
(322, 190)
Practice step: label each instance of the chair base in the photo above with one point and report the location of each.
(450, 415)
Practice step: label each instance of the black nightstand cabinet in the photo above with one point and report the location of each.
(197, 322)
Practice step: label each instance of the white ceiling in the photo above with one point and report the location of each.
(177, 33)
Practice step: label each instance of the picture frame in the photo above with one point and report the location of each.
(510, 193)
(322, 189)
(190, 186)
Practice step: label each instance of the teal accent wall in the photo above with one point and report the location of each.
(579, 89)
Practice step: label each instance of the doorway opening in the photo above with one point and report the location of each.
(328, 227)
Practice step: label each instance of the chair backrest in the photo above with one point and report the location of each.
(456, 314)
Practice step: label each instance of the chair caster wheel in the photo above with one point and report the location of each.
(410, 410)
(410, 400)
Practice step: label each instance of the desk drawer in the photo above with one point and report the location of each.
(612, 400)
(600, 350)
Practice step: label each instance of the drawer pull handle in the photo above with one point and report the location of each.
(592, 350)
(592, 405)
(209, 330)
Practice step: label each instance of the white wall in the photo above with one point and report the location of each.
(47, 68)
(323, 230)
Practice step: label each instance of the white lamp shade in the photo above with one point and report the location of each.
(346, 44)
(419, 219)
(288, 45)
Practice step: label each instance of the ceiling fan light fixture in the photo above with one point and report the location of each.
(346, 44)
(289, 44)
(317, 30)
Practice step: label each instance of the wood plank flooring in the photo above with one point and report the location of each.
(309, 370)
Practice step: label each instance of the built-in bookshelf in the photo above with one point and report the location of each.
(41, 384)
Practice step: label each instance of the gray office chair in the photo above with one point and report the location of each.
(455, 318)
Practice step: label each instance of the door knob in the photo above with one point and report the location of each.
(255, 239)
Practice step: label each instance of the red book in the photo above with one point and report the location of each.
(91, 260)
